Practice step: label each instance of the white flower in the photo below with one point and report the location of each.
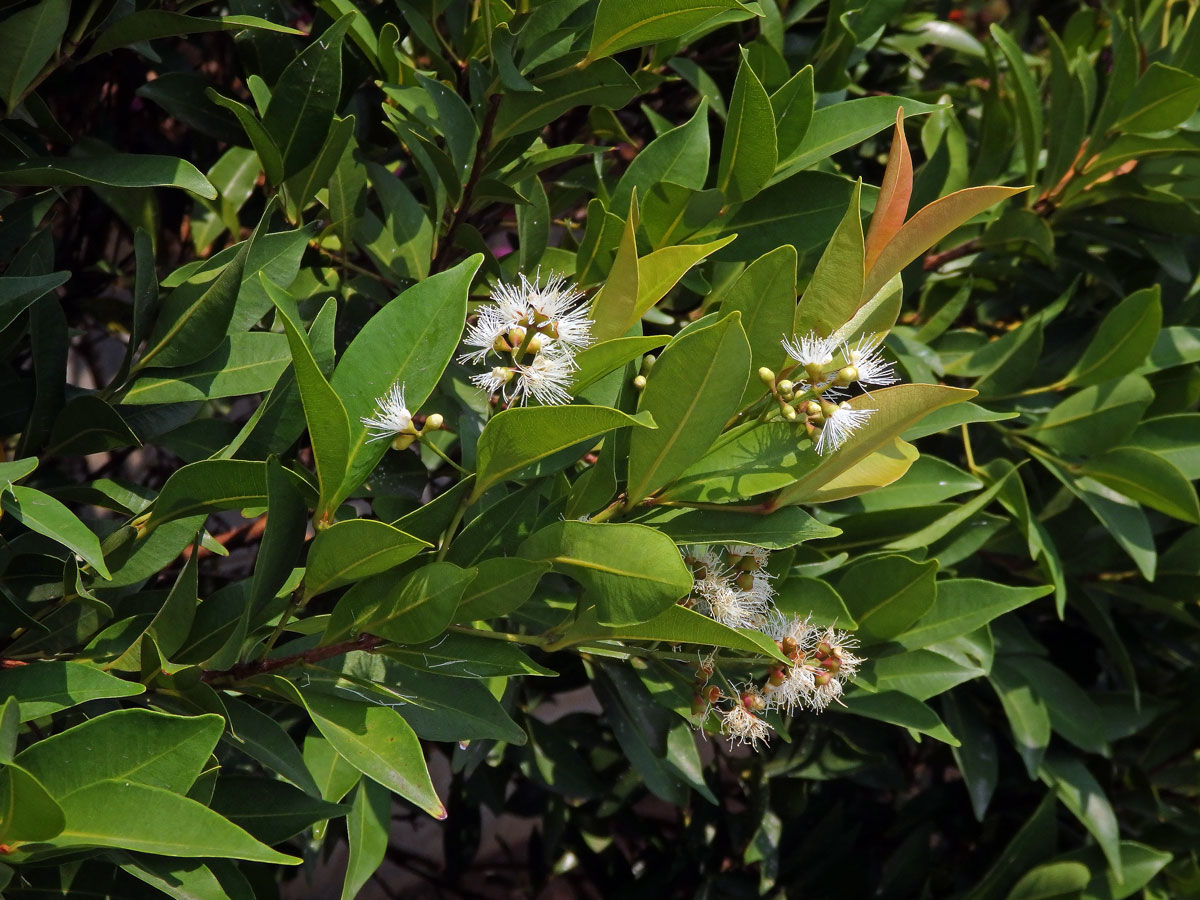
(799, 629)
(866, 358)
(828, 689)
(743, 727)
(491, 325)
(811, 350)
(796, 690)
(392, 417)
(493, 379)
(554, 306)
(839, 425)
(723, 601)
(546, 379)
(758, 554)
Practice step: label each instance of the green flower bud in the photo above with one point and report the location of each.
(434, 422)
(848, 375)
(639, 382)
(766, 376)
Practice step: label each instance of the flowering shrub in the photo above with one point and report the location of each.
(474, 406)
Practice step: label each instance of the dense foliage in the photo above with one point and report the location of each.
(451, 410)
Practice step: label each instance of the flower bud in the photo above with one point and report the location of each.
(403, 441)
(847, 375)
(434, 422)
(639, 382)
(648, 364)
(766, 376)
(789, 413)
(823, 679)
(813, 410)
(786, 388)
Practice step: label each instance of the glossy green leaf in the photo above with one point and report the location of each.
(1096, 417)
(775, 531)
(1174, 439)
(604, 83)
(262, 738)
(621, 24)
(695, 386)
(1029, 103)
(1079, 792)
(1125, 337)
(305, 98)
(409, 341)
(1053, 879)
(836, 288)
(42, 513)
(374, 739)
(131, 745)
(976, 755)
(477, 655)
(264, 146)
(148, 24)
(962, 605)
(501, 586)
(17, 292)
(409, 610)
(246, 363)
(633, 573)
(27, 811)
(269, 809)
(120, 170)
(612, 310)
(1145, 477)
(328, 424)
(355, 549)
(887, 594)
(208, 486)
(367, 829)
(599, 359)
(32, 36)
(748, 148)
(1026, 712)
(899, 709)
(765, 296)
(678, 156)
(661, 270)
(1162, 98)
(515, 439)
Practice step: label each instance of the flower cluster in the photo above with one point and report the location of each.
(829, 365)
(535, 329)
(732, 586)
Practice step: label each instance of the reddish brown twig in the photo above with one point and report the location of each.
(316, 654)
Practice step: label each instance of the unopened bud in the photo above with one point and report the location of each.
(786, 388)
(847, 375)
(789, 413)
(403, 441)
(753, 702)
(639, 382)
(832, 663)
(434, 422)
(824, 649)
(766, 376)
(516, 336)
(813, 410)
(648, 363)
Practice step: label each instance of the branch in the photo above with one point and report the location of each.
(366, 642)
(464, 206)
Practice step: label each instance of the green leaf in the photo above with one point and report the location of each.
(1079, 792)
(88, 425)
(632, 572)
(31, 37)
(802, 596)
(264, 147)
(887, 594)
(1072, 712)
(1026, 712)
(1144, 476)
(675, 625)
(405, 241)
(374, 739)
(841, 125)
(1139, 865)
(18, 292)
(367, 829)
(599, 359)
(261, 738)
(962, 605)
(475, 656)
(195, 316)
(409, 341)
(1126, 335)
(765, 295)
(792, 105)
(976, 755)
(1174, 439)
(149, 24)
(604, 83)
(501, 586)
(899, 709)
(748, 148)
(834, 293)
(305, 98)
(355, 549)
(130, 745)
(1052, 879)
(328, 424)
(1095, 418)
(1029, 103)
(678, 156)
(209, 486)
(621, 24)
(613, 306)
(180, 879)
(173, 621)
(268, 809)
(121, 170)
(775, 531)
(746, 461)
(410, 610)
(695, 386)
(243, 363)
(919, 673)
(42, 513)
(136, 816)
(774, 217)
(514, 439)
(27, 811)
(1162, 98)
(928, 226)
(661, 270)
